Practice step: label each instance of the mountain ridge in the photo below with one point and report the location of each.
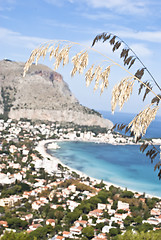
(41, 95)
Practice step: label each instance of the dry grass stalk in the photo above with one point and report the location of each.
(141, 122)
(104, 75)
(83, 61)
(75, 61)
(80, 62)
(51, 50)
(30, 61)
(89, 75)
(121, 92)
(97, 74)
(56, 51)
(44, 51)
(63, 55)
(39, 54)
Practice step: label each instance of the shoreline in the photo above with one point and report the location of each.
(42, 149)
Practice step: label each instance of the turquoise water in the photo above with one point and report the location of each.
(123, 165)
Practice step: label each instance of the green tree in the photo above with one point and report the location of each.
(59, 215)
(127, 194)
(2, 210)
(84, 217)
(128, 220)
(138, 220)
(88, 232)
(113, 231)
(151, 235)
(41, 232)
(144, 227)
(16, 236)
(73, 216)
(17, 223)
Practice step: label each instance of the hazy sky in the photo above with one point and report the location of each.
(24, 24)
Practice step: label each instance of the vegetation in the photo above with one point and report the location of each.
(155, 235)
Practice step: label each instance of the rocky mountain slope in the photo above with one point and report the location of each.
(42, 95)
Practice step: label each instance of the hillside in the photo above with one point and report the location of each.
(41, 95)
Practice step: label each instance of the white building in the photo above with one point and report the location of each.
(123, 205)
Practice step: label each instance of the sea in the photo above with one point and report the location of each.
(122, 165)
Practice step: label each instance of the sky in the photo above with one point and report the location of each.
(26, 24)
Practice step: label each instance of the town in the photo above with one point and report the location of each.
(43, 199)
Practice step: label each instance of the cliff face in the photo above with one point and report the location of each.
(42, 95)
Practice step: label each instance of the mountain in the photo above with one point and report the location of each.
(41, 94)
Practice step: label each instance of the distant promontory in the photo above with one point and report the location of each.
(41, 95)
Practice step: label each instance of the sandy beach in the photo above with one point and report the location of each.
(42, 149)
(50, 163)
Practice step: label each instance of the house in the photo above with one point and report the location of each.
(82, 223)
(158, 218)
(72, 205)
(121, 224)
(72, 188)
(66, 192)
(101, 236)
(121, 216)
(106, 229)
(101, 206)
(12, 148)
(34, 226)
(25, 152)
(123, 205)
(158, 205)
(50, 222)
(67, 234)
(6, 202)
(137, 195)
(95, 213)
(28, 216)
(142, 200)
(26, 194)
(155, 212)
(37, 204)
(18, 176)
(58, 238)
(3, 223)
(102, 220)
(76, 230)
(151, 220)
(44, 200)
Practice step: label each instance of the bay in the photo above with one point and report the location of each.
(122, 165)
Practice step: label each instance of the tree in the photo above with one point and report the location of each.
(41, 232)
(127, 194)
(16, 236)
(113, 231)
(17, 223)
(121, 92)
(88, 232)
(155, 235)
(84, 217)
(73, 216)
(138, 220)
(128, 220)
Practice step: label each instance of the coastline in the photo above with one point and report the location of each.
(42, 149)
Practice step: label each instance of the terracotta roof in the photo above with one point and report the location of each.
(66, 233)
(50, 220)
(60, 237)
